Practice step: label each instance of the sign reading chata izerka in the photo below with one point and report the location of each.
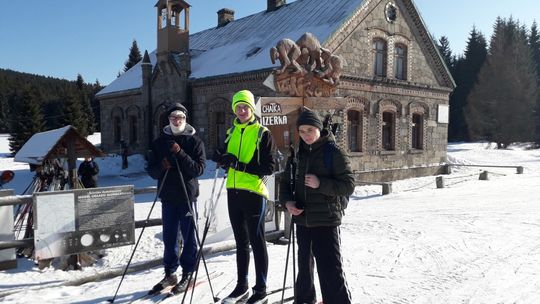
(82, 220)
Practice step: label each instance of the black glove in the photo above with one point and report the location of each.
(218, 153)
(174, 147)
(228, 161)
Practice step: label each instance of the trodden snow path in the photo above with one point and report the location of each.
(471, 242)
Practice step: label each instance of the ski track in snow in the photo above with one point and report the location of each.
(471, 242)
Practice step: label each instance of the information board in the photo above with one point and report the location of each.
(82, 220)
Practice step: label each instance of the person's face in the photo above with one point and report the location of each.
(177, 120)
(243, 112)
(309, 134)
(88, 159)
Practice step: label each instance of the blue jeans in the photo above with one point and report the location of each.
(176, 216)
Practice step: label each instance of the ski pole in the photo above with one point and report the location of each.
(140, 235)
(183, 185)
(213, 190)
(205, 234)
(287, 262)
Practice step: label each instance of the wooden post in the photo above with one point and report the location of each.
(439, 181)
(483, 176)
(386, 188)
(519, 170)
(447, 169)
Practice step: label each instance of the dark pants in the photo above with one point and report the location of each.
(246, 213)
(323, 243)
(176, 216)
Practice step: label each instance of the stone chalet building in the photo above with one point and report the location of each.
(395, 82)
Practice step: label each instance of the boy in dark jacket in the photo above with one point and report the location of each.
(317, 211)
(178, 147)
(88, 171)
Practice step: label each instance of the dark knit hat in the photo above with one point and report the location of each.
(177, 107)
(309, 117)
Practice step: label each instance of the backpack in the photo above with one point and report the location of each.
(329, 149)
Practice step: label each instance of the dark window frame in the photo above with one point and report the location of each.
(380, 53)
(400, 61)
(388, 131)
(417, 131)
(355, 130)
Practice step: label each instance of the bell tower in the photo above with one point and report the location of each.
(172, 26)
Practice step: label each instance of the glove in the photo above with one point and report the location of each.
(218, 154)
(165, 164)
(228, 161)
(174, 147)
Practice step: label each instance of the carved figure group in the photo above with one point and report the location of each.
(307, 56)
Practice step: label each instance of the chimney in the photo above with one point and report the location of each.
(225, 15)
(274, 4)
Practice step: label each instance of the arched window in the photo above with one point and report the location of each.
(117, 129)
(354, 130)
(388, 131)
(133, 128)
(379, 64)
(417, 131)
(400, 62)
(221, 128)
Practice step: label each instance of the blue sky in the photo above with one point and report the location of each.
(62, 38)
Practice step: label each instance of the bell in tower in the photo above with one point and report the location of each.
(172, 26)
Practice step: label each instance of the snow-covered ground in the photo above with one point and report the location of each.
(472, 242)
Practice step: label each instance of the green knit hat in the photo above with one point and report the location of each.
(243, 97)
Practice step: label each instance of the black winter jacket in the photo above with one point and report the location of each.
(191, 160)
(321, 205)
(88, 171)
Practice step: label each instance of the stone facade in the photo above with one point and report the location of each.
(398, 133)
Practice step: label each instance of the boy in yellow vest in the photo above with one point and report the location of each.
(248, 158)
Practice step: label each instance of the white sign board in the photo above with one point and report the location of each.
(442, 114)
(7, 256)
(82, 220)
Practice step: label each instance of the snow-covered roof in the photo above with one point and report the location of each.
(227, 48)
(41, 145)
(131, 79)
(244, 44)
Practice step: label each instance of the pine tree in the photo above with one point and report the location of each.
(26, 118)
(500, 106)
(73, 114)
(465, 74)
(134, 56)
(84, 98)
(534, 43)
(446, 52)
(95, 105)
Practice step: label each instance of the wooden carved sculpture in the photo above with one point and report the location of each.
(287, 52)
(306, 69)
(333, 65)
(311, 51)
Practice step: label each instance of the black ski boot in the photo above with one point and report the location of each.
(168, 280)
(258, 297)
(182, 285)
(239, 293)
